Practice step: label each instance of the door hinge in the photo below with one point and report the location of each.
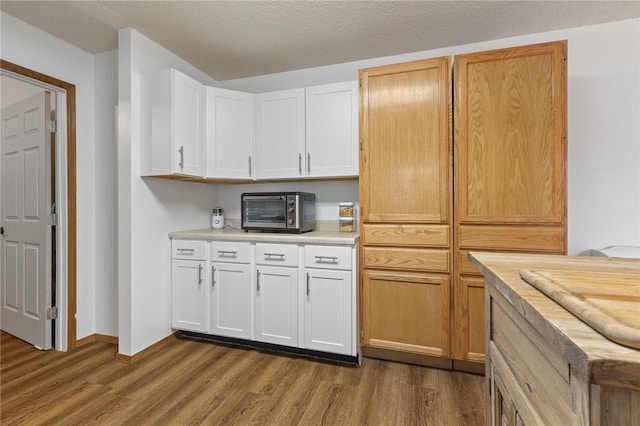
(52, 126)
(361, 335)
(52, 313)
(52, 219)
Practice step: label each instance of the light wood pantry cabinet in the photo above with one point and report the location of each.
(509, 170)
(229, 134)
(405, 202)
(428, 198)
(172, 125)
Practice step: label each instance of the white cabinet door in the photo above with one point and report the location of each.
(231, 300)
(280, 130)
(276, 305)
(332, 130)
(172, 124)
(190, 295)
(328, 309)
(229, 134)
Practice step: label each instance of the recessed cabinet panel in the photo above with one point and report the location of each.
(405, 114)
(332, 129)
(276, 304)
(328, 324)
(280, 132)
(469, 341)
(406, 311)
(230, 135)
(189, 283)
(231, 300)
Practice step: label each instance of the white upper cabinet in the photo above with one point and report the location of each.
(172, 127)
(229, 134)
(280, 124)
(332, 130)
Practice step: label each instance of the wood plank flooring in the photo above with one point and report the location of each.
(194, 383)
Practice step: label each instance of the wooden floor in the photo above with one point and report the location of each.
(193, 382)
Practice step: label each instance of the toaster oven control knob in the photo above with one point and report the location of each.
(290, 221)
(291, 210)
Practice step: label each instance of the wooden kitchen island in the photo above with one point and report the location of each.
(544, 365)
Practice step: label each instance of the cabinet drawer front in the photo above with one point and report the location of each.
(406, 259)
(327, 257)
(464, 265)
(406, 235)
(232, 252)
(189, 249)
(277, 254)
(516, 238)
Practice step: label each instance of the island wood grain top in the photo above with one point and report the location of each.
(607, 362)
(608, 302)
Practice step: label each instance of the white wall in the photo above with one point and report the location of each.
(105, 165)
(12, 90)
(148, 208)
(603, 117)
(35, 49)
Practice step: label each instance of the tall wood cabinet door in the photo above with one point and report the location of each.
(406, 312)
(510, 136)
(405, 159)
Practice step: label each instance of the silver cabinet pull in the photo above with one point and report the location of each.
(227, 253)
(307, 283)
(213, 276)
(200, 274)
(249, 166)
(280, 255)
(308, 162)
(188, 250)
(331, 259)
(258, 280)
(181, 151)
(300, 164)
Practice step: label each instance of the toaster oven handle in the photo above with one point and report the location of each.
(300, 164)
(264, 198)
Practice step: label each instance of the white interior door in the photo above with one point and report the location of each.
(25, 247)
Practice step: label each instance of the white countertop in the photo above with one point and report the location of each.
(324, 234)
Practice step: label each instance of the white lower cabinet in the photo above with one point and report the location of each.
(276, 293)
(285, 294)
(189, 289)
(327, 311)
(329, 299)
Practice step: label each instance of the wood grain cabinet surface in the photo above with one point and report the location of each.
(487, 175)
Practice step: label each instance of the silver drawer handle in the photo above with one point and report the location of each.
(213, 276)
(227, 253)
(199, 274)
(258, 281)
(186, 250)
(308, 283)
(280, 255)
(332, 259)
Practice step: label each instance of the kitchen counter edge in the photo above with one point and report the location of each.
(313, 237)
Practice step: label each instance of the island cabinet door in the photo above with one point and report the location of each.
(406, 312)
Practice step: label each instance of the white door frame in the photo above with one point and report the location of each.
(61, 172)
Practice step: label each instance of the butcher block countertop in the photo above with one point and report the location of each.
(325, 233)
(589, 287)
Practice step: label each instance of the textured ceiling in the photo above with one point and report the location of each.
(235, 39)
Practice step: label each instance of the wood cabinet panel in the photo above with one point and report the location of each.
(405, 159)
(406, 235)
(510, 135)
(406, 312)
(514, 238)
(464, 266)
(468, 342)
(406, 259)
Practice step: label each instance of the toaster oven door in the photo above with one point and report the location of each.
(264, 212)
